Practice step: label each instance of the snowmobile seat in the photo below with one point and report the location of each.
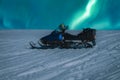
(88, 35)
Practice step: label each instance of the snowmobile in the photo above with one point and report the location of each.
(59, 39)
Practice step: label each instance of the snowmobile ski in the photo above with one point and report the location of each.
(34, 46)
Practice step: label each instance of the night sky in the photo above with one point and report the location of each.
(48, 14)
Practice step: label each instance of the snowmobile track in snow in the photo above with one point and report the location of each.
(18, 62)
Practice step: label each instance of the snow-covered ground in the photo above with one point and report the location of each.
(18, 62)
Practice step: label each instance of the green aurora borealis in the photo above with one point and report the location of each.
(86, 14)
(48, 14)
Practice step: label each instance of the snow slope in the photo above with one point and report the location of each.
(18, 62)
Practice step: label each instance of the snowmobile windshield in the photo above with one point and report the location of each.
(54, 36)
(55, 32)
